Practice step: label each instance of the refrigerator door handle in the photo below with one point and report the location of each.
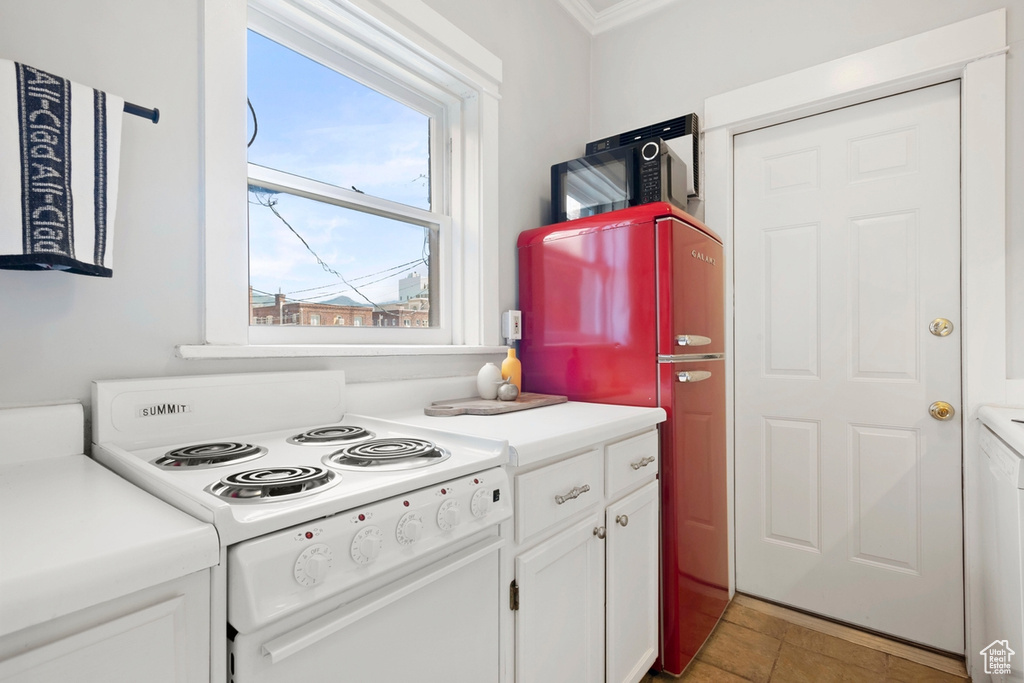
(690, 357)
(692, 340)
(693, 375)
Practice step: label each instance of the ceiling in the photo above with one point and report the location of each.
(598, 16)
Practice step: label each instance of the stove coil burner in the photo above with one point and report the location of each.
(388, 455)
(331, 436)
(209, 455)
(274, 483)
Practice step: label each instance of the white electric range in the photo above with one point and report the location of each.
(338, 530)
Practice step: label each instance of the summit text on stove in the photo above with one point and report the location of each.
(163, 409)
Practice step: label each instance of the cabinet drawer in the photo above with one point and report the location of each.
(631, 461)
(551, 494)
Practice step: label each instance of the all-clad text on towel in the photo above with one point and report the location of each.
(59, 148)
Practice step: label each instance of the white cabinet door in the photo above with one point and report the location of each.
(140, 645)
(560, 622)
(847, 238)
(160, 634)
(632, 585)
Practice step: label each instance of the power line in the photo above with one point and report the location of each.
(272, 205)
(320, 296)
(363, 277)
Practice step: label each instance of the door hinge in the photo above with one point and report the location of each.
(513, 596)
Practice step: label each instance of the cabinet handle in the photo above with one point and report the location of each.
(622, 519)
(599, 531)
(576, 492)
(643, 462)
(693, 376)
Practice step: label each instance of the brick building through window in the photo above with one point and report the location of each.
(412, 313)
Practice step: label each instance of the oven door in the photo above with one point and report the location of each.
(437, 624)
(596, 183)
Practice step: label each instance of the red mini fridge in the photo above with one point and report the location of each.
(627, 307)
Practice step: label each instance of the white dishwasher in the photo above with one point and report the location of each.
(1000, 520)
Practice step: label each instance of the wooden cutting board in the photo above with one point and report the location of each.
(483, 406)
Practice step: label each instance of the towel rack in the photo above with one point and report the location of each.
(151, 114)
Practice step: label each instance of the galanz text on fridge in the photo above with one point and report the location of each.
(701, 257)
(163, 409)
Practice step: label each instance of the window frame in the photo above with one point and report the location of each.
(377, 33)
(316, 40)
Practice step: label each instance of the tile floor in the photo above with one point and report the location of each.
(760, 642)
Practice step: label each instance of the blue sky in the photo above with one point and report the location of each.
(319, 124)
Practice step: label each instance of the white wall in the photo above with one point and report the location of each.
(544, 108)
(666, 64)
(59, 331)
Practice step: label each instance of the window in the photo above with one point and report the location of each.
(414, 58)
(320, 145)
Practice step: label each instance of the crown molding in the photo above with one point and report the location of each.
(621, 13)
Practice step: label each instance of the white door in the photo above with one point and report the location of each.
(631, 585)
(848, 493)
(560, 621)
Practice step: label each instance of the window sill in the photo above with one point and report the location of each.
(226, 351)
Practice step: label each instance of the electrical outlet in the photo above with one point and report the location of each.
(512, 325)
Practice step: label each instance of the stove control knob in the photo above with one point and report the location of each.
(449, 515)
(313, 564)
(410, 528)
(367, 544)
(481, 503)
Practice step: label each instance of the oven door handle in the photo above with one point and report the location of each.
(300, 638)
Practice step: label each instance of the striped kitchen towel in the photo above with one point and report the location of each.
(60, 143)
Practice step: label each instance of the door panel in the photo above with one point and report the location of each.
(691, 296)
(885, 478)
(848, 494)
(791, 301)
(884, 334)
(694, 509)
(791, 483)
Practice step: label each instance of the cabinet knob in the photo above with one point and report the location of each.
(622, 519)
(599, 531)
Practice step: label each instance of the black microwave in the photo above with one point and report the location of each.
(617, 178)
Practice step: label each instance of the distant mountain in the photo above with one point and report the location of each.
(268, 300)
(345, 301)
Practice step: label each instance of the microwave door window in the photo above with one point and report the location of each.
(595, 187)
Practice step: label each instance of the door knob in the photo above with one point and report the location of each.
(940, 327)
(941, 410)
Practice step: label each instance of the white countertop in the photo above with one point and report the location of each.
(1000, 421)
(537, 434)
(74, 534)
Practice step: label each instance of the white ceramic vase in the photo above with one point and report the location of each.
(487, 381)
